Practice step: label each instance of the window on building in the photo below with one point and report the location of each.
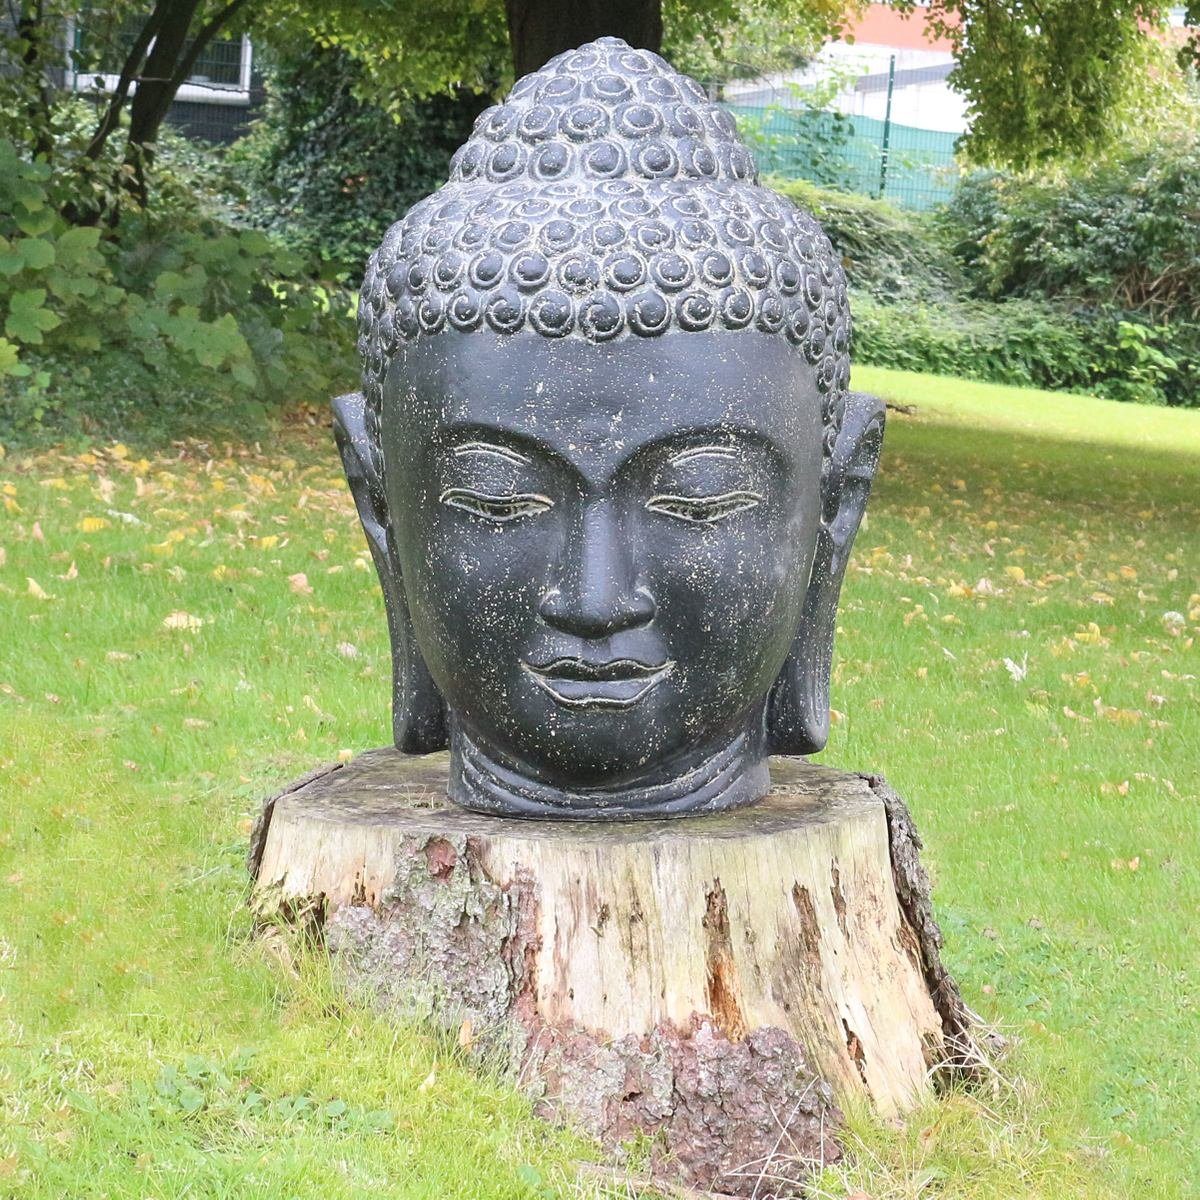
(221, 74)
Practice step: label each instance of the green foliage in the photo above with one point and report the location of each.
(1020, 343)
(716, 42)
(1031, 343)
(1050, 79)
(168, 322)
(806, 131)
(924, 299)
(430, 49)
(1121, 232)
(330, 172)
(888, 253)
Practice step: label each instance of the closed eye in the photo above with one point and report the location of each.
(704, 510)
(496, 508)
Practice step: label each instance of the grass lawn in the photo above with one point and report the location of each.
(181, 633)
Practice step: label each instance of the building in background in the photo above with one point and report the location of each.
(217, 101)
(881, 47)
(872, 113)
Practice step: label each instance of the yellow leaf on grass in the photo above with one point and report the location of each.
(36, 590)
(92, 524)
(1015, 573)
(269, 542)
(182, 620)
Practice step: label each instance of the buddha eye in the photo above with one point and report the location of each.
(496, 508)
(704, 510)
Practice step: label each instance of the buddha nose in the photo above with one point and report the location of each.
(596, 593)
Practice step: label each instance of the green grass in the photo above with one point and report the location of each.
(150, 1048)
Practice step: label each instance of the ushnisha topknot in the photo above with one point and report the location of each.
(607, 197)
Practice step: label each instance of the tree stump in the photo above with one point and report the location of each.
(720, 981)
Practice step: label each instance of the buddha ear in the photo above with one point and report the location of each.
(418, 710)
(798, 706)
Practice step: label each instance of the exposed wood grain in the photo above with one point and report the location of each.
(646, 966)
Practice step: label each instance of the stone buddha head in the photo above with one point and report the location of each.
(605, 453)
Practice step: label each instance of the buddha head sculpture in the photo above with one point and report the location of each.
(605, 453)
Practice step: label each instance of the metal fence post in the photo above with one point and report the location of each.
(887, 126)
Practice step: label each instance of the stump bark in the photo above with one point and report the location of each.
(718, 981)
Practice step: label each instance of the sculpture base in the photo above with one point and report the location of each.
(719, 981)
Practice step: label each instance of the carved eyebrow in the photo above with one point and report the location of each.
(503, 452)
(703, 452)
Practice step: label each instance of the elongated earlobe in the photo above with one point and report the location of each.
(418, 710)
(798, 707)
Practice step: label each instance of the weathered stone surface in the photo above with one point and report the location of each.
(605, 453)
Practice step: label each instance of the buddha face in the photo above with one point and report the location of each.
(604, 548)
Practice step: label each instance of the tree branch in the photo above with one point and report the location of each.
(133, 60)
(204, 35)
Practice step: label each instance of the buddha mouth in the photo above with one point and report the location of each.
(617, 683)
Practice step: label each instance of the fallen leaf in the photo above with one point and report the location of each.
(1174, 623)
(1016, 670)
(299, 584)
(182, 620)
(36, 590)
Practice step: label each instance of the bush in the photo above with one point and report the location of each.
(921, 300)
(170, 322)
(1123, 233)
(329, 173)
(888, 253)
(1033, 344)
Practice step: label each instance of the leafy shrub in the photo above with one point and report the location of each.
(803, 135)
(1030, 343)
(919, 304)
(1122, 233)
(889, 254)
(329, 172)
(170, 321)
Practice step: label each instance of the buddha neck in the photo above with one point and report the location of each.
(734, 774)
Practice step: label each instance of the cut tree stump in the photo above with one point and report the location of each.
(720, 981)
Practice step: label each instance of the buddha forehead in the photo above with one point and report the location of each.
(598, 408)
(607, 201)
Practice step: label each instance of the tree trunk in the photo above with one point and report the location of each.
(168, 65)
(31, 26)
(540, 29)
(154, 91)
(716, 982)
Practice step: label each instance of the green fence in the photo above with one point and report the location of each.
(914, 168)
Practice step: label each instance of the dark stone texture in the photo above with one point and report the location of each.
(605, 455)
